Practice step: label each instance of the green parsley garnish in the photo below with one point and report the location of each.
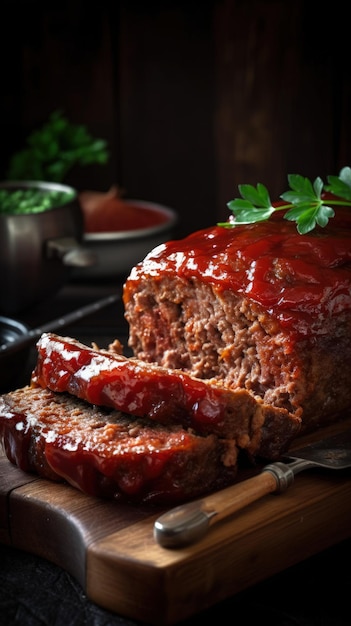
(53, 150)
(303, 202)
(23, 201)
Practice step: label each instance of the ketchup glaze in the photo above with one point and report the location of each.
(300, 280)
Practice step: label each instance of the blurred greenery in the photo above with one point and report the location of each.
(53, 150)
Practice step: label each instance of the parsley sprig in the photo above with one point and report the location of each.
(303, 202)
(53, 150)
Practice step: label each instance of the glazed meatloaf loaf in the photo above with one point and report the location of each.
(107, 453)
(258, 307)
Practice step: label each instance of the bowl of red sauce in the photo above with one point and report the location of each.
(120, 232)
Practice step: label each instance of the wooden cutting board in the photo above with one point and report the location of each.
(109, 548)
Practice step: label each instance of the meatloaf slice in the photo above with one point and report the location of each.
(107, 453)
(167, 396)
(255, 307)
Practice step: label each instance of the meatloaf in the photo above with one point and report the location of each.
(167, 396)
(107, 453)
(257, 307)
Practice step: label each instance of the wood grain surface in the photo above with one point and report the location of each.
(111, 551)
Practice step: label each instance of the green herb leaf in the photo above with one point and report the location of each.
(53, 150)
(302, 190)
(255, 205)
(340, 185)
(304, 202)
(258, 197)
(22, 201)
(308, 218)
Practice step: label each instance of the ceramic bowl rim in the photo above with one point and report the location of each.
(137, 233)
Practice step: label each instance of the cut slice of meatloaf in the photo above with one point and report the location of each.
(257, 307)
(107, 453)
(167, 396)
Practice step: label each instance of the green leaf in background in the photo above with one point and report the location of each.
(53, 151)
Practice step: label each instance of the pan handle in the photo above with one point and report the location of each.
(56, 324)
(70, 252)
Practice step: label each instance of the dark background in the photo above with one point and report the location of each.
(193, 98)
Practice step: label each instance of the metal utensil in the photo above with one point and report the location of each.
(34, 334)
(187, 523)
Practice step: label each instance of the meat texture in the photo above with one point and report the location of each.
(259, 308)
(109, 454)
(163, 395)
(167, 396)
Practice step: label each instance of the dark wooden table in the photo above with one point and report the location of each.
(35, 592)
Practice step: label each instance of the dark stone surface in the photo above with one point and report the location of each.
(316, 592)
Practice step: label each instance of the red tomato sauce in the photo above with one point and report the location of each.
(114, 215)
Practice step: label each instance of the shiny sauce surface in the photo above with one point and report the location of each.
(103, 379)
(115, 215)
(301, 280)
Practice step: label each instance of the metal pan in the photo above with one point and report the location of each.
(16, 338)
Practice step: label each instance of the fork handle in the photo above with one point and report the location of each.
(189, 522)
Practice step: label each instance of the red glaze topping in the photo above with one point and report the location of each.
(108, 455)
(111, 380)
(301, 280)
